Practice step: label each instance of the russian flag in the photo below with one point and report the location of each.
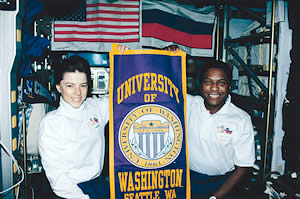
(169, 23)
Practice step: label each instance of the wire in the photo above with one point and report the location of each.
(20, 170)
(32, 192)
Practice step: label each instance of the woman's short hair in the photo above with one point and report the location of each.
(72, 64)
(212, 63)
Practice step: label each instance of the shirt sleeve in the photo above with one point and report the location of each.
(244, 146)
(103, 102)
(50, 146)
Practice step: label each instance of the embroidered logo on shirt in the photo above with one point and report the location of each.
(222, 129)
(225, 131)
(93, 122)
(228, 131)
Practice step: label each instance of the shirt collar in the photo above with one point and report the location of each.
(223, 109)
(75, 113)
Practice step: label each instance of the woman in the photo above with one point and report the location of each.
(71, 138)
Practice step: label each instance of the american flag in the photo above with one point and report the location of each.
(108, 21)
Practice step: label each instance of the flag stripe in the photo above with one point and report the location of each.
(176, 22)
(75, 36)
(205, 15)
(112, 19)
(89, 24)
(111, 5)
(95, 40)
(60, 29)
(95, 26)
(169, 34)
(113, 16)
(112, 9)
(111, 12)
(96, 33)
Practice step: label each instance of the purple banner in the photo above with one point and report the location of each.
(148, 153)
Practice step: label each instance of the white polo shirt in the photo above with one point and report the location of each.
(72, 145)
(217, 142)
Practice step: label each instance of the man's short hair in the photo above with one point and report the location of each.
(212, 63)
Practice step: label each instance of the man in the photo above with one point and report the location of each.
(220, 136)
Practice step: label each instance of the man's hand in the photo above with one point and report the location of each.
(233, 181)
(172, 48)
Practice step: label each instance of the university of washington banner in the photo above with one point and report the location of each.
(148, 147)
